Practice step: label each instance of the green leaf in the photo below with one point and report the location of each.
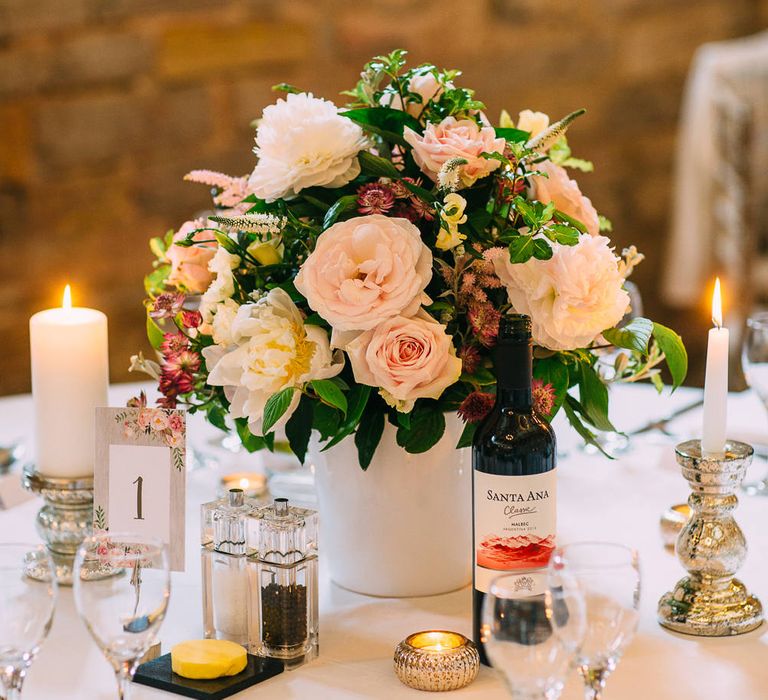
(565, 235)
(527, 211)
(570, 220)
(385, 122)
(512, 135)
(467, 435)
(343, 204)
(330, 393)
(316, 320)
(368, 435)
(572, 409)
(252, 442)
(358, 399)
(672, 346)
(377, 166)
(154, 333)
(154, 282)
(276, 406)
(157, 246)
(551, 370)
(326, 420)
(481, 377)
(594, 398)
(541, 249)
(427, 427)
(286, 87)
(217, 417)
(521, 249)
(585, 166)
(298, 429)
(634, 336)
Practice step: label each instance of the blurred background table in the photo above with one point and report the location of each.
(599, 499)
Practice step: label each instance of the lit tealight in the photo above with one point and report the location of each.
(436, 660)
(252, 484)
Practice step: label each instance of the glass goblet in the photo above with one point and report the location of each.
(754, 361)
(533, 624)
(608, 576)
(26, 612)
(123, 612)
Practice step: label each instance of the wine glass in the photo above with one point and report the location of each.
(609, 578)
(754, 360)
(122, 611)
(26, 612)
(533, 624)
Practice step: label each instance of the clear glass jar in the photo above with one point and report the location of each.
(284, 583)
(226, 596)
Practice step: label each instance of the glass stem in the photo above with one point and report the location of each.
(594, 682)
(124, 675)
(11, 680)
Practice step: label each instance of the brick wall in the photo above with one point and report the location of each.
(105, 104)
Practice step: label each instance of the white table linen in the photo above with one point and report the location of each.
(598, 500)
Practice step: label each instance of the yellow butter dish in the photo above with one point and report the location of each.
(208, 658)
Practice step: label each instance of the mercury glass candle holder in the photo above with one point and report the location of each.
(63, 522)
(436, 660)
(710, 601)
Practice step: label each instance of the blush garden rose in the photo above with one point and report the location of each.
(359, 274)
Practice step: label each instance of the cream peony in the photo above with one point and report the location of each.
(427, 86)
(532, 122)
(572, 297)
(557, 187)
(189, 266)
(221, 288)
(407, 358)
(455, 139)
(270, 349)
(303, 141)
(365, 270)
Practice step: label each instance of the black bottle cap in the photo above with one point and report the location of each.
(514, 328)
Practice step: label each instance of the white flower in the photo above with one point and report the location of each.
(303, 141)
(270, 349)
(452, 215)
(223, 285)
(223, 317)
(427, 86)
(572, 297)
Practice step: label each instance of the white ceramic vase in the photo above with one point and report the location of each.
(403, 527)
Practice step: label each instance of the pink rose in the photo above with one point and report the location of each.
(145, 418)
(407, 358)
(557, 187)
(365, 270)
(455, 139)
(176, 422)
(189, 266)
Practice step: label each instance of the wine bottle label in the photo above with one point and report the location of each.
(515, 523)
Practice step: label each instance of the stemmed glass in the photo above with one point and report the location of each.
(533, 624)
(26, 612)
(124, 611)
(754, 360)
(609, 577)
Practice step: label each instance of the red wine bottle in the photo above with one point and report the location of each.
(513, 475)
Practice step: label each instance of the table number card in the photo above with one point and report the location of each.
(139, 476)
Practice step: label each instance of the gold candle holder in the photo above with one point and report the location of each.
(710, 601)
(436, 660)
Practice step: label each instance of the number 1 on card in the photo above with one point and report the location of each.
(139, 488)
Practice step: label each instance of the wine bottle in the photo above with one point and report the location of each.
(513, 475)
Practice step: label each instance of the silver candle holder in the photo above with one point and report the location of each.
(710, 602)
(63, 522)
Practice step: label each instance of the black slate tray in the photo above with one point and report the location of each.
(158, 674)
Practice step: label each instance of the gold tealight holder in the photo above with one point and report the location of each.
(436, 660)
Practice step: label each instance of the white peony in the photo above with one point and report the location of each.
(222, 286)
(270, 349)
(572, 297)
(303, 141)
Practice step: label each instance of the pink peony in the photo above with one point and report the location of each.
(455, 139)
(176, 422)
(407, 358)
(557, 187)
(572, 297)
(365, 270)
(189, 266)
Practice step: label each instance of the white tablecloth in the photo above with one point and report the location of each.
(598, 500)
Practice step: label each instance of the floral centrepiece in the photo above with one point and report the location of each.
(359, 273)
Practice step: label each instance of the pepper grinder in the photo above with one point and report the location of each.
(225, 570)
(284, 584)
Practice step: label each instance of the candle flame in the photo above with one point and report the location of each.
(66, 299)
(717, 305)
(244, 483)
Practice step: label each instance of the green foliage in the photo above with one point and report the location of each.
(344, 204)
(154, 333)
(276, 406)
(368, 435)
(426, 427)
(634, 336)
(298, 429)
(676, 355)
(512, 135)
(330, 392)
(384, 122)
(467, 435)
(377, 166)
(251, 442)
(593, 395)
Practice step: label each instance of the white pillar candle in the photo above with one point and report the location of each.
(716, 382)
(70, 374)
